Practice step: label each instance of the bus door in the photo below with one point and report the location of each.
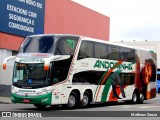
(57, 94)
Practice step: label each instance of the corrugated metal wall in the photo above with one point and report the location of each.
(61, 16)
(10, 42)
(65, 16)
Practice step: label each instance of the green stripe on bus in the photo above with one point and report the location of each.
(100, 82)
(151, 51)
(106, 90)
(107, 87)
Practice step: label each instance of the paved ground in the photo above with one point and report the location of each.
(153, 106)
(5, 100)
(148, 105)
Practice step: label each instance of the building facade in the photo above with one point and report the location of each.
(27, 17)
(155, 45)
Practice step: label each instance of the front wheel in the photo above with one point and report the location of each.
(72, 100)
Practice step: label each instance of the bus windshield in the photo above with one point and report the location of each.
(30, 76)
(49, 44)
(38, 44)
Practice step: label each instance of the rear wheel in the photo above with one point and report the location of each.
(141, 98)
(135, 98)
(85, 100)
(72, 100)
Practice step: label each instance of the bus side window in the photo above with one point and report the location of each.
(128, 78)
(113, 52)
(86, 50)
(66, 46)
(132, 55)
(101, 50)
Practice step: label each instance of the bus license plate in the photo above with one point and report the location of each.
(26, 101)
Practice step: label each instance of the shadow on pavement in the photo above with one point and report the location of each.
(95, 105)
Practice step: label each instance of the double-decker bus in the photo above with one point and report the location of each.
(72, 70)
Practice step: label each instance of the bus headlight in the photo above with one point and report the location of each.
(44, 100)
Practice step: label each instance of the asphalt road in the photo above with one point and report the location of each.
(116, 110)
(148, 105)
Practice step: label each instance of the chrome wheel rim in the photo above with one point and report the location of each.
(72, 100)
(85, 100)
(141, 97)
(134, 97)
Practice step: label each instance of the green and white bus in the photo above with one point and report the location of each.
(72, 70)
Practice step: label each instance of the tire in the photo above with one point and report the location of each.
(85, 100)
(40, 106)
(135, 98)
(72, 101)
(141, 98)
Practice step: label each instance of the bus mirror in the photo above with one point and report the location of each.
(6, 60)
(4, 66)
(46, 67)
(54, 58)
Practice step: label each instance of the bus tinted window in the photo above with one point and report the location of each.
(126, 54)
(113, 52)
(101, 50)
(59, 70)
(158, 77)
(128, 78)
(88, 77)
(86, 50)
(39, 44)
(66, 46)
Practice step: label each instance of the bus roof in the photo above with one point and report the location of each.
(53, 35)
(117, 44)
(95, 40)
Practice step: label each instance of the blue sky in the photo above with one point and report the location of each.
(129, 19)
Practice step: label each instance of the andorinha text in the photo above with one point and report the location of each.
(109, 65)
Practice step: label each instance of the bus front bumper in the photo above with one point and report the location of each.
(40, 99)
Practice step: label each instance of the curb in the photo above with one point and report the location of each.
(2, 102)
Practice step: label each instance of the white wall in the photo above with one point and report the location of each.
(6, 75)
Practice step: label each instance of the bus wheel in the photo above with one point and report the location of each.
(135, 98)
(141, 98)
(85, 100)
(40, 106)
(72, 100)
